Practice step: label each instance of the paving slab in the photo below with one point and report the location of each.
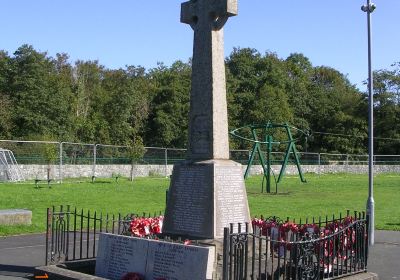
(384, 256)
(19, 255)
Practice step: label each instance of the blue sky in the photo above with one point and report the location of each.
(144, 32)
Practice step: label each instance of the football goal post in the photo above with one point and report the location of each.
(9, 169)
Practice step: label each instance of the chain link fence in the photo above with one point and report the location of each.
(61, 157)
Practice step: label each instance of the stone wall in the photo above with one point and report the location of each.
(321, 169)
(106, 171)
(102, 171)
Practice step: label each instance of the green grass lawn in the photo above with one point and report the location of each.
(321, 195)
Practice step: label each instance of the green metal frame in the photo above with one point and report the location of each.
(266, 163)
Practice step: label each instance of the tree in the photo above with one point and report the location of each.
(256, 93)
(5, 116)
(169, 110)
(5, 102)
(242, 85)
(140, 109)
(117, 107)
(299, 71)
(86, 102)
(337, 108)
(89, 99)
(61, 96)
(387, 110)
(29, 91)
(136, 152)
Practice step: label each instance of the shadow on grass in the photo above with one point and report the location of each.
(268, 194)
(102, 182)
(393, 224)
(42, 187)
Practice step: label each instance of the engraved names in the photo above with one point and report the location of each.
(191, 200)
(231, 197)
(153, 259)
(117, 254)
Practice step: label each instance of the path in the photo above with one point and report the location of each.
(20, 254)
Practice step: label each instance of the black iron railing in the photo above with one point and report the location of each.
(284, 250)
(73, 235)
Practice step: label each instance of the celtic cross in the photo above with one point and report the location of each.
(208, 123)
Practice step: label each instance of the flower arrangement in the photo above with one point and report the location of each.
(132, 276)
(276, 230)
(333, 250)
(145, 227)
(149, 227)
(269, 226)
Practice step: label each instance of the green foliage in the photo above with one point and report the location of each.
(85, 102)
(5, 116)
(5, 102)
(257, 92)
(50, 153)
(387, 108)
(169, 112)
(337, 108)
(136, 149)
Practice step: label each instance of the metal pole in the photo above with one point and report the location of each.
(94, 161)
(166, 162)
(369, 8)
(269, 140)
(60, 163)
(319, 164)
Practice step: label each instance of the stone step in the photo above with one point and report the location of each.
(15, 217)
(363, 276)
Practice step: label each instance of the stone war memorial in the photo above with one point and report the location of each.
(207, 191)
(206, 231)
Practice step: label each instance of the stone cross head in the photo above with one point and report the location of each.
(210, 14)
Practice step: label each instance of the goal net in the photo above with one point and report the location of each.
(9, 169)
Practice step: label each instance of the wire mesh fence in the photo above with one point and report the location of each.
(386, 159)
(111, 154)
(173, 155)
(154, 155)
(241, 156)
(63, 155)
(77, 153)
(33, 152)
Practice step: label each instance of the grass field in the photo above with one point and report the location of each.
(321, 195)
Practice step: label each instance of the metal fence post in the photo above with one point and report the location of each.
(94, 160)
(48, 225)
(225, 255)
(319, 164)
(60, 163)
(166, 161)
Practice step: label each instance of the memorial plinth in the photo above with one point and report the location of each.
(205, 197)
(152, 259)
(207, 191)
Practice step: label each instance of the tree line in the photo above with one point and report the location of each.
(50, 98)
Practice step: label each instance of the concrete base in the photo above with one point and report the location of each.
(69, 271)
(363, 276)
(15, 217)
